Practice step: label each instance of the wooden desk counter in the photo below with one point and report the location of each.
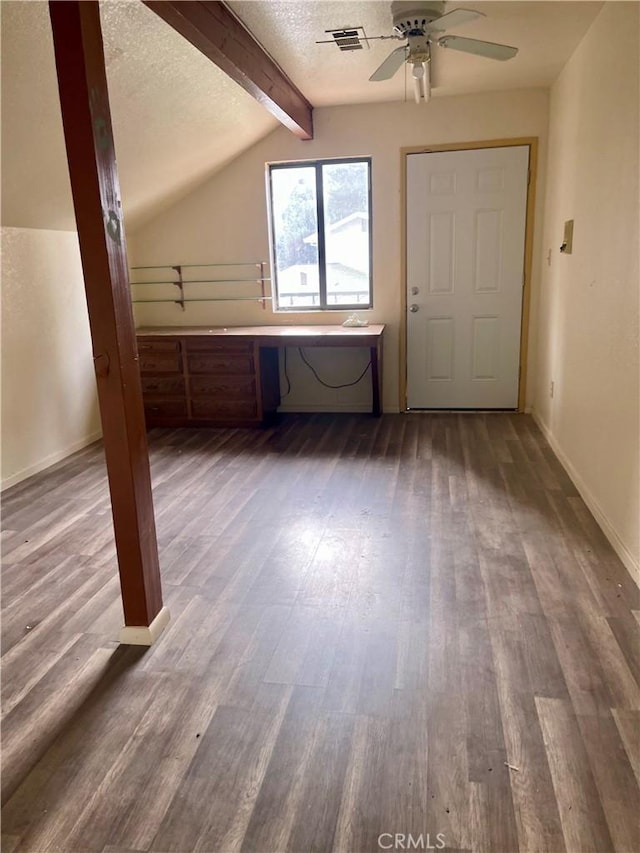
(201, 375)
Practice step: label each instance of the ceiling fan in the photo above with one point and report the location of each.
(421, 26)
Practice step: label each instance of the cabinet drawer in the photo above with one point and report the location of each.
(231, 387)
(168, 385)
(228, 363)
(229, 345)
(161, 362)
(165, 409)
(145, 345)
(214, 408)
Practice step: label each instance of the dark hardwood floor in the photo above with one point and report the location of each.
(403, 625)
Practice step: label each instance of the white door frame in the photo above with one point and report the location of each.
(532, 143)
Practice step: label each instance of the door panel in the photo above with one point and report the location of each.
(488, 251)
(441, 252)
(440, 338)
(466, 219)
(486, 348)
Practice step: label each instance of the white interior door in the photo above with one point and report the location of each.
(466, 219)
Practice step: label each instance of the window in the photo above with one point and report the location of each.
(321, 234)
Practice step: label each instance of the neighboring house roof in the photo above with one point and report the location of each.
(346, 243)
(336, 227)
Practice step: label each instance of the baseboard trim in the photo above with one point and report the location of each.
(145, 635)
(346, 408)
(631, 564)
(48, 461)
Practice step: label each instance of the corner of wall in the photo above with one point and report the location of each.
(588, 372)
(49, 400)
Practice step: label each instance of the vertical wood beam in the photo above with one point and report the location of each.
(86, 119)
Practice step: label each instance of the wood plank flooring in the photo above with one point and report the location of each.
(408, 625)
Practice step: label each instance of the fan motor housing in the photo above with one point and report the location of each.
(411, 18)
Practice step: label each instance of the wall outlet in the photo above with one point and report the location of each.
(551, 388)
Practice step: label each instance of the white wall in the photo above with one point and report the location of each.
(226, 219)
(588, 311)
(49, 404)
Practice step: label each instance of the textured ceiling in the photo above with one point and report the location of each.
(178, 119)
(546, 34)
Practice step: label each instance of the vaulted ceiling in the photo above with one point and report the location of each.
(546, 34)
(178, 119)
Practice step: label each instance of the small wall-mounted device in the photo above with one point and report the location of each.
(567, 242)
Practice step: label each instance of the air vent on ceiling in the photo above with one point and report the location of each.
(349, 38)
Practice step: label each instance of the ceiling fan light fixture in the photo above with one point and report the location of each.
(420, 23)
(417, 89)
(426, 81)
(421, 82)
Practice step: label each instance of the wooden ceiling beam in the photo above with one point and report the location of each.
(216, 32)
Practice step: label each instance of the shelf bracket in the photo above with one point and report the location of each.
(180, 285)
(261, 283)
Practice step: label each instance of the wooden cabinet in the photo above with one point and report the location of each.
(196, 380)
(195, 376)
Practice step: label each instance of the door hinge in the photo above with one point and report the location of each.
(528, 177)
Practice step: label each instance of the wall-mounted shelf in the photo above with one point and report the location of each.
(181, 283)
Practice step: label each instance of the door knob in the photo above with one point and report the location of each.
(415, 291)
(413, 308)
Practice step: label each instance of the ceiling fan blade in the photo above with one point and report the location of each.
(391, 64)
(455, 18)
(479, 48)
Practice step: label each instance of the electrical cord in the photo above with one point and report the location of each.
(326, 384)
(285, 370)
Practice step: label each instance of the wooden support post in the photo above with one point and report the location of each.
(86, 118)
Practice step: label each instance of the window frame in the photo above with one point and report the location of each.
(322, 269)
